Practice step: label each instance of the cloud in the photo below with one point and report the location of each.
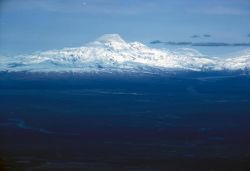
(198, 36)
(155, 42)
(178, 43)
(211, 44)
(241, 44)
(207, 35)
(195, 36)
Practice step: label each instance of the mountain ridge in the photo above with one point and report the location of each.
(110, 53)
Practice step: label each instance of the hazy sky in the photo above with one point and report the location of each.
(32, 25)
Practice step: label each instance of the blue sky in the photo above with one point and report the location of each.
(35, 25)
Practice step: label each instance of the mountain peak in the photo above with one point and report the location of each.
(109, 38)
(110, 41)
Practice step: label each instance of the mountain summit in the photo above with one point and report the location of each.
(110, 38)
(110, 53)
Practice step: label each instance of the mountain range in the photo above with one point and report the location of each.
(110, 53)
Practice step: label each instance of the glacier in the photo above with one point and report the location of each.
(110, 53)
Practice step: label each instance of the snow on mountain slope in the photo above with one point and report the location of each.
(240, 62)
(111, 53)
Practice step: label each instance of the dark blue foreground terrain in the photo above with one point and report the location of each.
(183, 122)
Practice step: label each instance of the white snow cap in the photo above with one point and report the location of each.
(108, 38)
(111, 53)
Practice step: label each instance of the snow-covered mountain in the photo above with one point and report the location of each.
(111, 53)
